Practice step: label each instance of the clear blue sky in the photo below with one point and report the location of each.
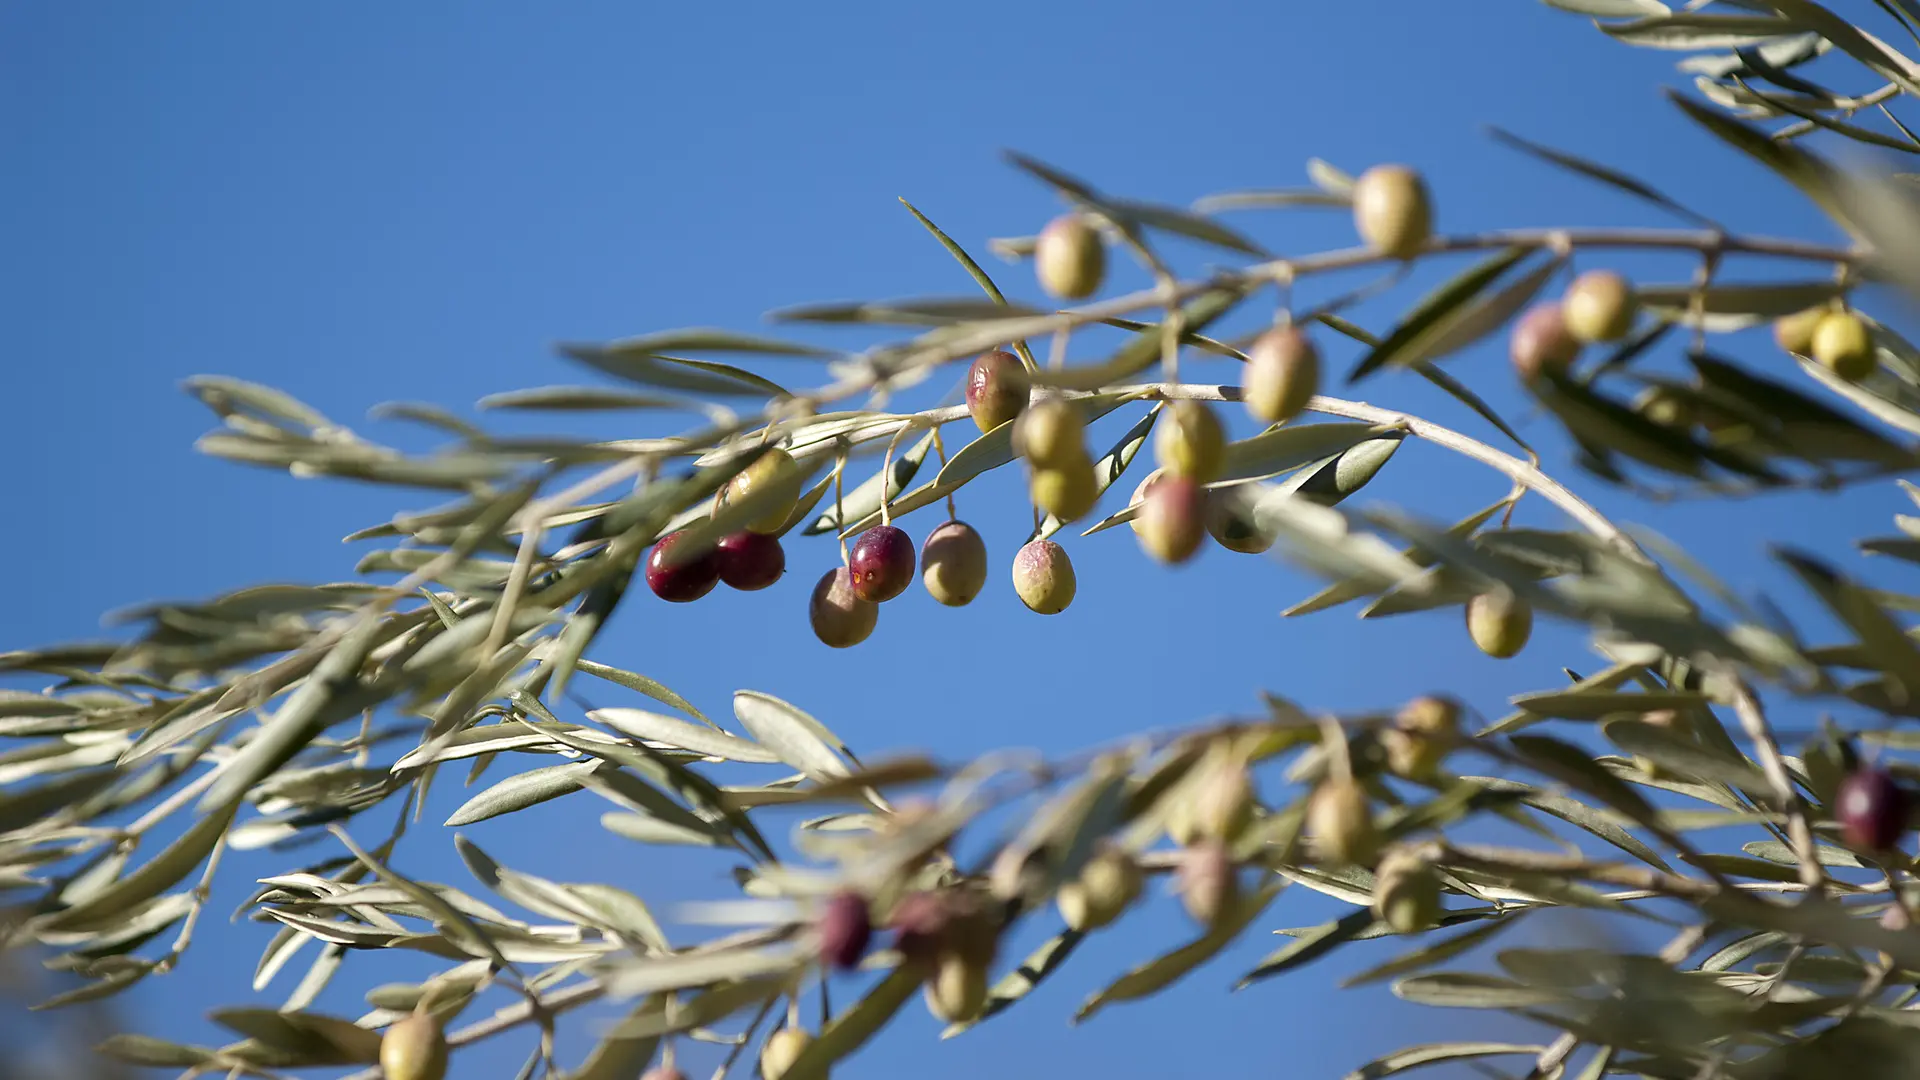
(368, 202)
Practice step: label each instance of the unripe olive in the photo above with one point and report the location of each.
(881, 563)
(1067, 491)
(414, 1048)
(1051, 433)
(1599, 306)
(1231, 524)
(957, 989)
(1223, 802)
(1872, 809)
(998, 387)
(1341, 821)
(1423, 733)
(1500, 623)
(1043, 576)
(781, 1050)
(1794, 332)
(1430, 715)
(1172, 521)
(840, 618)
(1107, 884)
(1189, 441)
(845, 928)
(953, 563)
(1843, 345)
(1282, 374)
(1069, 259)
(1540, 343)
(1665, 407)
(1208, 881)
(1406, 892)
(774, 472)
(1392, 211)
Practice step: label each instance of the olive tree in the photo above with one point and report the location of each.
(285, 713)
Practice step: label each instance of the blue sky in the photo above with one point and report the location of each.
(362, 203)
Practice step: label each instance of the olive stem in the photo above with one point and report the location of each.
(1774, 766)
(1521, 472)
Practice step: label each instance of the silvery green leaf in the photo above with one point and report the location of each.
(674, 732)
(789, 733)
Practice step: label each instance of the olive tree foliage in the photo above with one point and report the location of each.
(279, 714)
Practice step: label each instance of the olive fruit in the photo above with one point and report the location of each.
(681, 579)
(1282, 374)
(1223, 805)
(882, 563)
(751, 560)
(1540, 344)
(1794, 333)
(1108, 882)
(1341, 821)
(1172, 520)
(1499, 623)
(1043, 576)
(781, 1050)
(919, 922)
(953, 563)
(1230, 521)
(1066, 491)
(1406, 892)
(1392, 211)
(1872, 809)
(1147, 484)
(414, 1048)
(1208, 881)
(1423, 732)
(663, 1072)
(1050, 434)
(774, 475)
(997, 389)
(1843, 345)
(1189, 441)
(845, 929)
(1665, 406)
(1069, 259)
(840, 618)
(1599, 306)
(957, 989)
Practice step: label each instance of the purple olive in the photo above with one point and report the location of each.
(882, 563)
(681, 579)
(751, 560)
(845, 930)
(1872, 809)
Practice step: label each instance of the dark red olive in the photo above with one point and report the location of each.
(686, 578)
(919, 921)
(882, 563)
(751, 560)
(1872, 809)
(845, 929)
